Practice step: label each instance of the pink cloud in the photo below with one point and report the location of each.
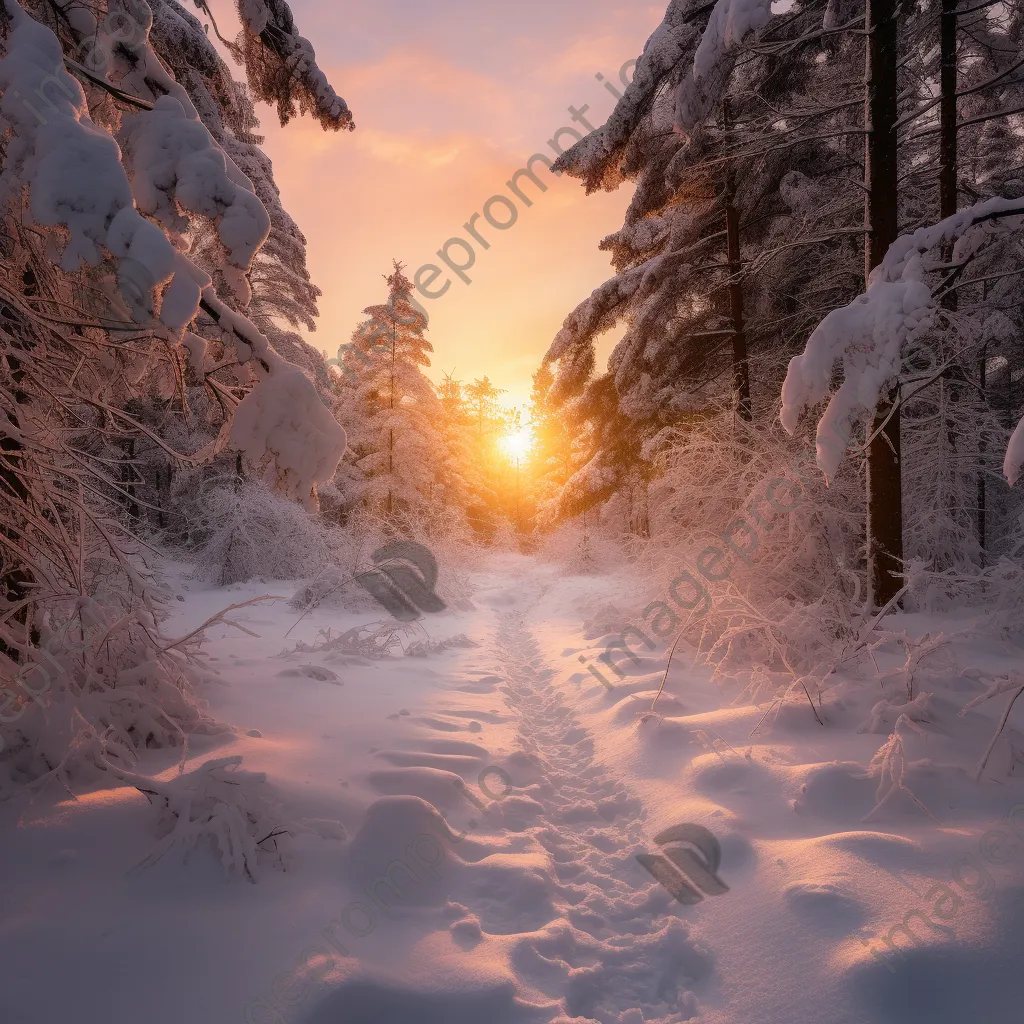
(444, 117)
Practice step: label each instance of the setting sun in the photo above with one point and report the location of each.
(518, 443)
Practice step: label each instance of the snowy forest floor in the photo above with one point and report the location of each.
(529, 906)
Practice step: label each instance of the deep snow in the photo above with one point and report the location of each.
(506, 792)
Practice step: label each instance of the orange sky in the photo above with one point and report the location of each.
(450, 98)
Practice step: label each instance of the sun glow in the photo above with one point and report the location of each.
(518, 444)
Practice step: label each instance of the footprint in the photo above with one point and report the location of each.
(824, 903)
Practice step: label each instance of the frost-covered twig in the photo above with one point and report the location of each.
(369, 640)
(221, 616)
(890, 763)
(668, 665)
(1014, 683)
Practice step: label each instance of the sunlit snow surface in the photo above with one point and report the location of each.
(525, 903)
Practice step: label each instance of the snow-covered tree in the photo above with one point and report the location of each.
(760, 204)
(556, 445)
(136, 205)
(397, 442)
(901, 306)
(460, 423)
(741, 232)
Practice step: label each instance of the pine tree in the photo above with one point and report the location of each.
(768, 182)
(469, 491)
(740, 235)
(398, 443)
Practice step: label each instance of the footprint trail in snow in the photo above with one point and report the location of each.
(610, 952)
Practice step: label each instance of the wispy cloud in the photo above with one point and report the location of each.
(448, 103)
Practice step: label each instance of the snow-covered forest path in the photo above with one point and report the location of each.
(614, 956)
(465, 831)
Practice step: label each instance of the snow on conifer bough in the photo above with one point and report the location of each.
(141, 223)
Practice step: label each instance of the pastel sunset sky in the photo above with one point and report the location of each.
(451, 97)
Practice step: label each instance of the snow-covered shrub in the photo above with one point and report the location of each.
(239, 529)
(99, 684)
(84, 668)
(769, 558)
(336, 587)
(574, 546)
(997, 589)
(443, 532)
(423, 648)
(381, 639)
(219, 805)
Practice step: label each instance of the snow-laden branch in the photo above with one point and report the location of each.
(176, 167)
(601, 310)
(868, 334)
(72, 169)
(282, 67)
(597, 158)
(729, 25)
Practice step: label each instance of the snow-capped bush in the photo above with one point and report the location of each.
(783, 590)
(336, 582)
(99, 686)
(218, 805)
(579, 545)
(240, 530)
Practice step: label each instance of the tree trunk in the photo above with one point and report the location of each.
(955, 376)
(982, 498)
(740, 365)
(128, 477)
(947, 121)
(391, 429)
(885, 499)
(15, 578)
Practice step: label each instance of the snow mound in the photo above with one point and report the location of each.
(397, 831)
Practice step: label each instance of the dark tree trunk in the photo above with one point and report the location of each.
(947, 120)
(982, 497)
(163, 491)
(885, 498)
(128, 477)
(15, 578)
(955, 376)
